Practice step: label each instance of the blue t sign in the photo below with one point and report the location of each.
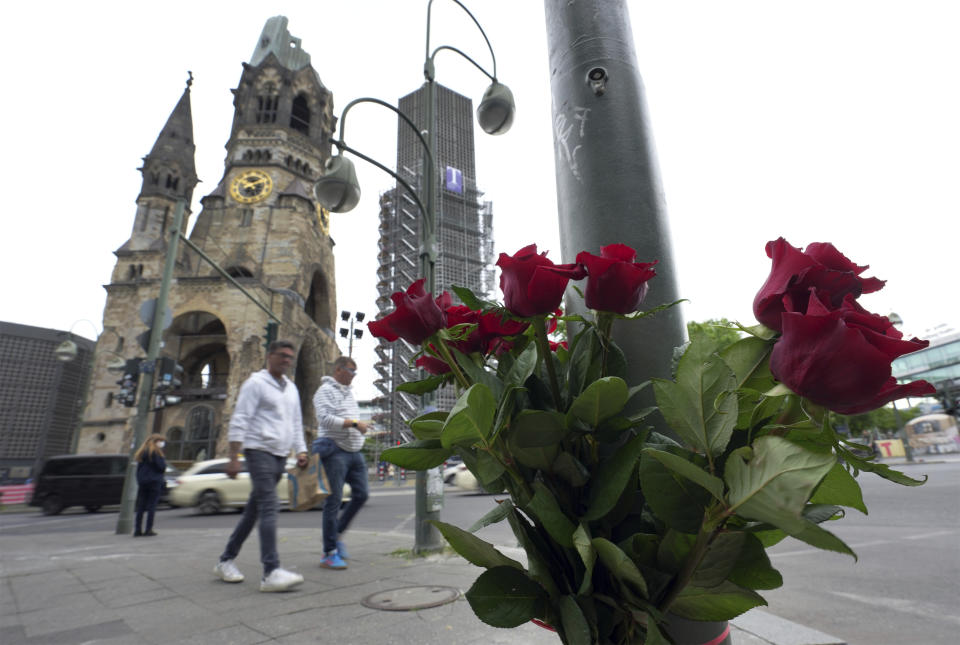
(454, 180)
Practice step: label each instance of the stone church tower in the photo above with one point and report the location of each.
(261, 225)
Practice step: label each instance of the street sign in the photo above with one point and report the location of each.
(149, 308)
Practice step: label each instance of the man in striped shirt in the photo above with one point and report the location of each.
(340, 442)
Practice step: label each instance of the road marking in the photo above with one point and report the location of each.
(407, 519)
(899, 604)
(859, 545)
(921, 536)
(388, 493)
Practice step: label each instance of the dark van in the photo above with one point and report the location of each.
(90, 481)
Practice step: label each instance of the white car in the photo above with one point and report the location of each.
(461, 477)
(206, 486)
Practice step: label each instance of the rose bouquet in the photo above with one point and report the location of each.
(631, 516)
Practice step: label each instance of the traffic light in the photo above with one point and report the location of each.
(270, 333)
(169, 374)
(128, 384)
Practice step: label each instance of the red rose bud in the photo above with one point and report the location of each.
(417, 316)
(794, 273)
(492, 325)
(614, 281)
(463, 315)
(840, 359)
(555, 346)
(533, 285)
(432, 365)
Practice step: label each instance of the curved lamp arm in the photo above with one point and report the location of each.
(428, 56)
(406, 119)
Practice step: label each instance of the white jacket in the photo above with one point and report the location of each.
(267, 416)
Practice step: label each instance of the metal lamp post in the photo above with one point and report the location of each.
(339, 191)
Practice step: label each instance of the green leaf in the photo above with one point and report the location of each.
(540, 457)
(506, 597)
(674, 549)
(538, 428)
(471, 418)
(428, 384)
(428, 426)
(473, 549)
(772, 482)
(688, 470)
(540, 560)
(468, 298)
(719, 560)
(494, 515)
(882, 470)
(719, 603)
(417, 455)
(486, 467)
(747, 357)
(752, 568)
(508, 402)
(569, 468)
(601, 400)
(477, 373)
(839, 487)
(700, 406)
(620, 565)
(575, 625)
(544, 507)
(610, 479)
(523, 367)
(583, 366)
(582, 543)
(674, 499)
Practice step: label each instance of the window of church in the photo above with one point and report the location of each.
(267, 109)
(300, 114)
(246, 216)
(172, 181)
(239, 272)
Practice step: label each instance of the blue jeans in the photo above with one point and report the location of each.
(342, 466)
(147, 497)
(265, 471)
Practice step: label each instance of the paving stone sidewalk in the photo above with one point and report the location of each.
(105, 589)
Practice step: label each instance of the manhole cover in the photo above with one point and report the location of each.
(410, 598)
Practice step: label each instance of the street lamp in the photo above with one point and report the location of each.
(351, 333)
(338, 191)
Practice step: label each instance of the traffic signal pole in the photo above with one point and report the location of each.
(129, 497)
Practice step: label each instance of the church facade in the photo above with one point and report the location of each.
(261, 225)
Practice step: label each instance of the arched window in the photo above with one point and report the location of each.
(201, 439)
(300, 114)
(239, 272)
(174, 448)
(267, 108)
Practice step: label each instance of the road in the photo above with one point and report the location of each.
(903, 589)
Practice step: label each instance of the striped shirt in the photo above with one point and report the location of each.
(334, 403)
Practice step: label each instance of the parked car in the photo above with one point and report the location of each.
(461, 477)
(205, 485)
(169, 483)
(91, 481)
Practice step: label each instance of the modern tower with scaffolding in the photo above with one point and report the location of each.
(464, 233)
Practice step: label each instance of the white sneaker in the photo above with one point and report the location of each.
(280, 580)
(228, 571)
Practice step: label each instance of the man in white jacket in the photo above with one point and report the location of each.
(339, 443)
(267, 424)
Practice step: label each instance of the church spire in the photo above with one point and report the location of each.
(169, 170)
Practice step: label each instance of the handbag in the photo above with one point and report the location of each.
(307, 486)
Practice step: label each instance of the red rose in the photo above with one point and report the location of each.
(432, 365)
(463, 315)
(795, 273)
(555, 346)
(840, 358)
(533, 285)
(614, 281)
(417, 316)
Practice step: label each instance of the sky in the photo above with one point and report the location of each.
(819, 121)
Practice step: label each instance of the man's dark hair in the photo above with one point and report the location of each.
(279, 344)
(344, 361)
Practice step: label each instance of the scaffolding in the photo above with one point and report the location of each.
(464, 231)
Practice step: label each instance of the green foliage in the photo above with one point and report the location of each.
(622, 524)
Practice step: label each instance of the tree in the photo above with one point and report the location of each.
(720, 330)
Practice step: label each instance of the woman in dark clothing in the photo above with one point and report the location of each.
(150, 468)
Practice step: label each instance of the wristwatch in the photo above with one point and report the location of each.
(354, 424)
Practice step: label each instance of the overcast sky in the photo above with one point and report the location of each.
(829, 121)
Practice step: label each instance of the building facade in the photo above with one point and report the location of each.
(41, 398)
(464, 233)
(938, 364)
(260, 224)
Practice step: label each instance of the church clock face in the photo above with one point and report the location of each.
(251, 186)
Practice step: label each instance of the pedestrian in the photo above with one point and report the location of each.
(150, 480)
(267, 424)
(339, 443)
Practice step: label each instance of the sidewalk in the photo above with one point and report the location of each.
(113, 590)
